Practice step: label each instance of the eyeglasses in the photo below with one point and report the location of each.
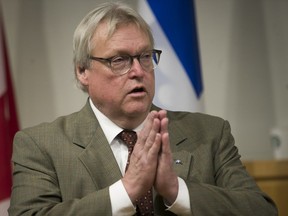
(121, 64)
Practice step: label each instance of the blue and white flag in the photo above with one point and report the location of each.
(178, 77)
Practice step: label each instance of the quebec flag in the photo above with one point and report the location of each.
(178, 76)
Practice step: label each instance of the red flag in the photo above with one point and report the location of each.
(8, 122)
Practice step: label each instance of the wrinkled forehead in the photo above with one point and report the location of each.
(112, 26)
(106, 32)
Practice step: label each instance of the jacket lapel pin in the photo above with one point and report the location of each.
(177, 161)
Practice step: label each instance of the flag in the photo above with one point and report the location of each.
(8, 124)
(178, 77)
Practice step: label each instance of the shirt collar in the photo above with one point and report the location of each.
(110, 129)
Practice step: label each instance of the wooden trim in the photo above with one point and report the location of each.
(272, 177)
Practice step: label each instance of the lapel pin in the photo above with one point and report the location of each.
(177, 161)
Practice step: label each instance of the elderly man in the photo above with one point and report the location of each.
(121, 155)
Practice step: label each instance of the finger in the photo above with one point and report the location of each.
(148, 124)
(165, 144)
(152, 134)
(162, 114)
(164, 125)
(153, 152)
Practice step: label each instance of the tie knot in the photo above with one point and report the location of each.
(129, 137)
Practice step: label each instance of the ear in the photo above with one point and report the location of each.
(82, 75)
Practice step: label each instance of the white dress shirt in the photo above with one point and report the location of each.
(120, 201)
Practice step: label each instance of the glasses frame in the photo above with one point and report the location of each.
(108, 61)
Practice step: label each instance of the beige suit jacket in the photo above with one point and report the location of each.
(66, 167)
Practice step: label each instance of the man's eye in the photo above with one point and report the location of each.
(146, 56)
(119, 60)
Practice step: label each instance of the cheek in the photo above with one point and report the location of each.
(151, 84)
(104, 88)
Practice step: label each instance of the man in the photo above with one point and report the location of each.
(78, 165)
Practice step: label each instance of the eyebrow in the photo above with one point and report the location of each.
(126, 52)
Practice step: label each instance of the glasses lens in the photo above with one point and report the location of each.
(156, 57)
(149, 60)
(120, 64)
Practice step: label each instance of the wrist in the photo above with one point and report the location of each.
(130, 189)
(171, 195)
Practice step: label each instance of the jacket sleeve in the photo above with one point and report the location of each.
(233, 191)
(36, 189)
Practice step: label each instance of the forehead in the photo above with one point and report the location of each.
(125, 36)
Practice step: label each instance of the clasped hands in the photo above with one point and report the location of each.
(151, 162)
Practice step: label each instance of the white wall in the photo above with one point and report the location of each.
(244, 58)
(243, 50)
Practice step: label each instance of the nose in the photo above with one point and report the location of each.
(136, 68)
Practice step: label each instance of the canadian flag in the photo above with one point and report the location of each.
(8, 124)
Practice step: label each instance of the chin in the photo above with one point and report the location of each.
(137, 109)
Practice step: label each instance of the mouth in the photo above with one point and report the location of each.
(137, 90)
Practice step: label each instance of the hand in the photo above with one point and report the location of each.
(140, 176)
(166, 182)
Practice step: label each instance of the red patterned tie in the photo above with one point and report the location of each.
(144, 204)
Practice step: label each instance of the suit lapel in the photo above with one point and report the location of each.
(182, 159)
(97, 156)
(100, 162)
(182, 146)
